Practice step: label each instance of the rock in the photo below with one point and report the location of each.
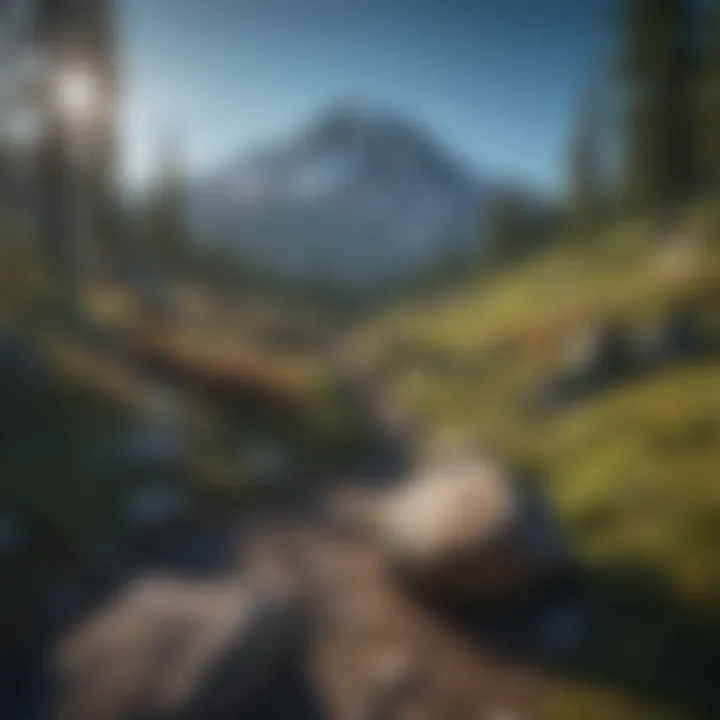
(463, 529)
(594, 358)
(394, 676)
(171, 649)
(667, 339)
(350, 510)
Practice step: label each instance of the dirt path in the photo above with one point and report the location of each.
(369, 651)
(377, 653)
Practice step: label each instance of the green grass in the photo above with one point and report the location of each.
(632, 472)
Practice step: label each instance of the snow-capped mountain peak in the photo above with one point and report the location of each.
(362, 195)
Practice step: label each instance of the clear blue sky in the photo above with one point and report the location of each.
(497, 80)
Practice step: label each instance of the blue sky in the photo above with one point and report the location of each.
(497, 80)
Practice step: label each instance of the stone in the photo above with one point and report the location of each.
(667, 339)
(593, 358)
(175, 649)
(350, 510)
(465, 530)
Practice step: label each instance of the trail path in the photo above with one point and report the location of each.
(365, 649)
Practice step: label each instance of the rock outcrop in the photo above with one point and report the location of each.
(176, 649)
(467, 531)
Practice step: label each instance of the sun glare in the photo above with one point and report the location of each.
(77, 94)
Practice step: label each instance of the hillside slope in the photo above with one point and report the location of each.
(596, 366)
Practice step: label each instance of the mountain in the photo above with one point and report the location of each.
(359, 197)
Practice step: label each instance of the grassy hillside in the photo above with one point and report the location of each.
(632, 468)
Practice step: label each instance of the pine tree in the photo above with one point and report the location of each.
(87, 27)
(658, 68)
(709, 100)
(586, 181)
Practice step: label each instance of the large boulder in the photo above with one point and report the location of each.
(171, 649)
(465, 530)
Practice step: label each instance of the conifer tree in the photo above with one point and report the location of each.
(586, 181)
(658, 69)
(709, 100)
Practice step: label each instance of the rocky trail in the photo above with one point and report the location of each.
(308, 622)
(283, 612)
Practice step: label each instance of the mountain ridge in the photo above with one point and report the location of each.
(357, 195)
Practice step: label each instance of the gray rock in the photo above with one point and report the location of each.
(170, 649)
(593, 358)
(667, 339)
